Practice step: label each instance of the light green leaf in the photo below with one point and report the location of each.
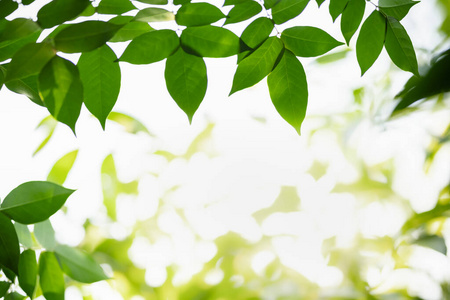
(308, 41)
(286, 10)
(396, 8)
(130, 30)
(100, 75)
(62, 167)
(85, 36)
(10, 47)
(45, 234)
(186, 81)
(109, 186)
(234, 2)
(151, 47)
(4, 285)
(370, 40)
(289, 90)
(157, 2)
(197, 14)
(15, 296)
(114, 7)
(351, 18)
(399, 47)
(18, 28)
(51, 277)
(257, 32)
(78, 265)
(61, 90)
(9, 244)
(50, 124)
(26, 86)
(34, 201)
(24, 235)
(336, 8)
(210, 41)
(154, 14)
(129, 123)
(28, 271)
(257, 65)
(332, 57)
(59, 11)
(7, 7)
(243, 11)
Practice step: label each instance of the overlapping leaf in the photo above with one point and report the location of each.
(9, 244)
(24, 235)
(336, 8)
(51, 277)
(243, 11)
(130, 30)
(59, 11)
(198, 14)
(26, 86)
(10, 47)
(351, 18)
(28, 271)
(17, 29)
(286, 10)
(257, 32)
(397, 9)
(154, 14)
(114, 7)
(45, 234)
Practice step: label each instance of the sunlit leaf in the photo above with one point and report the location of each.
(24, 235)
(50, 124)
(28, 271)
(257, 32)
(332, 57)
(26, 86)
(243, 11)
(51, 277)
(10, 47)
(9, 244)
(286, 10)
(7, 7)
(154, 14)
(337, 7)
(18, 28)
(15, 296)
(59, 11)
(129, 123)
(270, 3)
(397, 9)
(197, 14)
(62, 167)
(114, 7)
(45, 234)
(351, 18)
(130, 30)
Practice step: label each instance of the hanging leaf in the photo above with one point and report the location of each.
(59, 11)
(336, 8)
(114, 7)
(28, 271)
(186, 81)
(319, 2)
(154, 14)
(289, 90)
(45, 234)
(78, 265)
(286, 10)
(62, 167)
(397, 9)
(18, 29)
(101, 87)
(370, 40)
(61, 90)
(308, 41)
(130, 30)
(257, 32)
(351, 18)
(210, 41)
(4, 285)
(399, 47)
(24, 235)
(198, 14)
(34, 201)
(85, 36)
(51, 277)
(26, 86)
(151, 47)
(129, 123)
(257, 65)
(7, 7)
(9, 244)
(243, 11)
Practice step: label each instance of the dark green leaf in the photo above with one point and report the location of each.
(243, 11)
(257, 32)
(234, 2)
(51, 277)
(18, 28)
(129, 123)
(45, 234)
(88, 11)
(198, 14)
(370, 40)
(210, 41)
(396, 8)
(8, 273)
(308, 41)
(100, 75)
(79, 265)
(399, 47)
(289, 90)
(34, 201)
(27, 2)
(9, 244)
(2, 76)
(7, 7)
(130, 31)
(62, 167)
(181, 2)
(286, 10)
(319, 2)
(59, 11)
(4, 286)
(9, 48)
(270, 3)
(434, 242)
(114, 7)
(15, 296)
(154, 14)
(186, 81)
(26, 86)
(351, 18)
(28, 271)
(157, 2)
(257, 65)
(24, 235)
(85, 36)
(29, 60)
(151, 47)
(337, 7)
(61, 90)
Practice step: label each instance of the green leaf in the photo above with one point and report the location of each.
(51, 277)
(399, 47)
(28, 271)
(45, 234)
(181, 2)
(186, 81)
(109, 186)
(319, 2)
(100, 75)
(257, 65)
(257, 32)
(18, 28)
(34, 201)
(27, 2)
(79, 265)
(24, 235)
(9, 244)
(336, 8)
(351, 18)
(61, 90)
(10, 47)
(114, 7)
(434, 242)
(85, 36)
(49, 123)
(157, 2)
(286, 10)
(243, 11)
(234, 2)
(15, 296)
(59, 11)
(370, 40)
(4, 286)
(62, 167)
(2, 76)
(130, 31)
(397, 9)
(270, 3)
(332, 57)
(308, 41)
(129, 123)
(289, 90)
(154, 14)
(198, 14)
(26, 86)
(210, 41)
(151, 47)
(29, 60)
(7, 7)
